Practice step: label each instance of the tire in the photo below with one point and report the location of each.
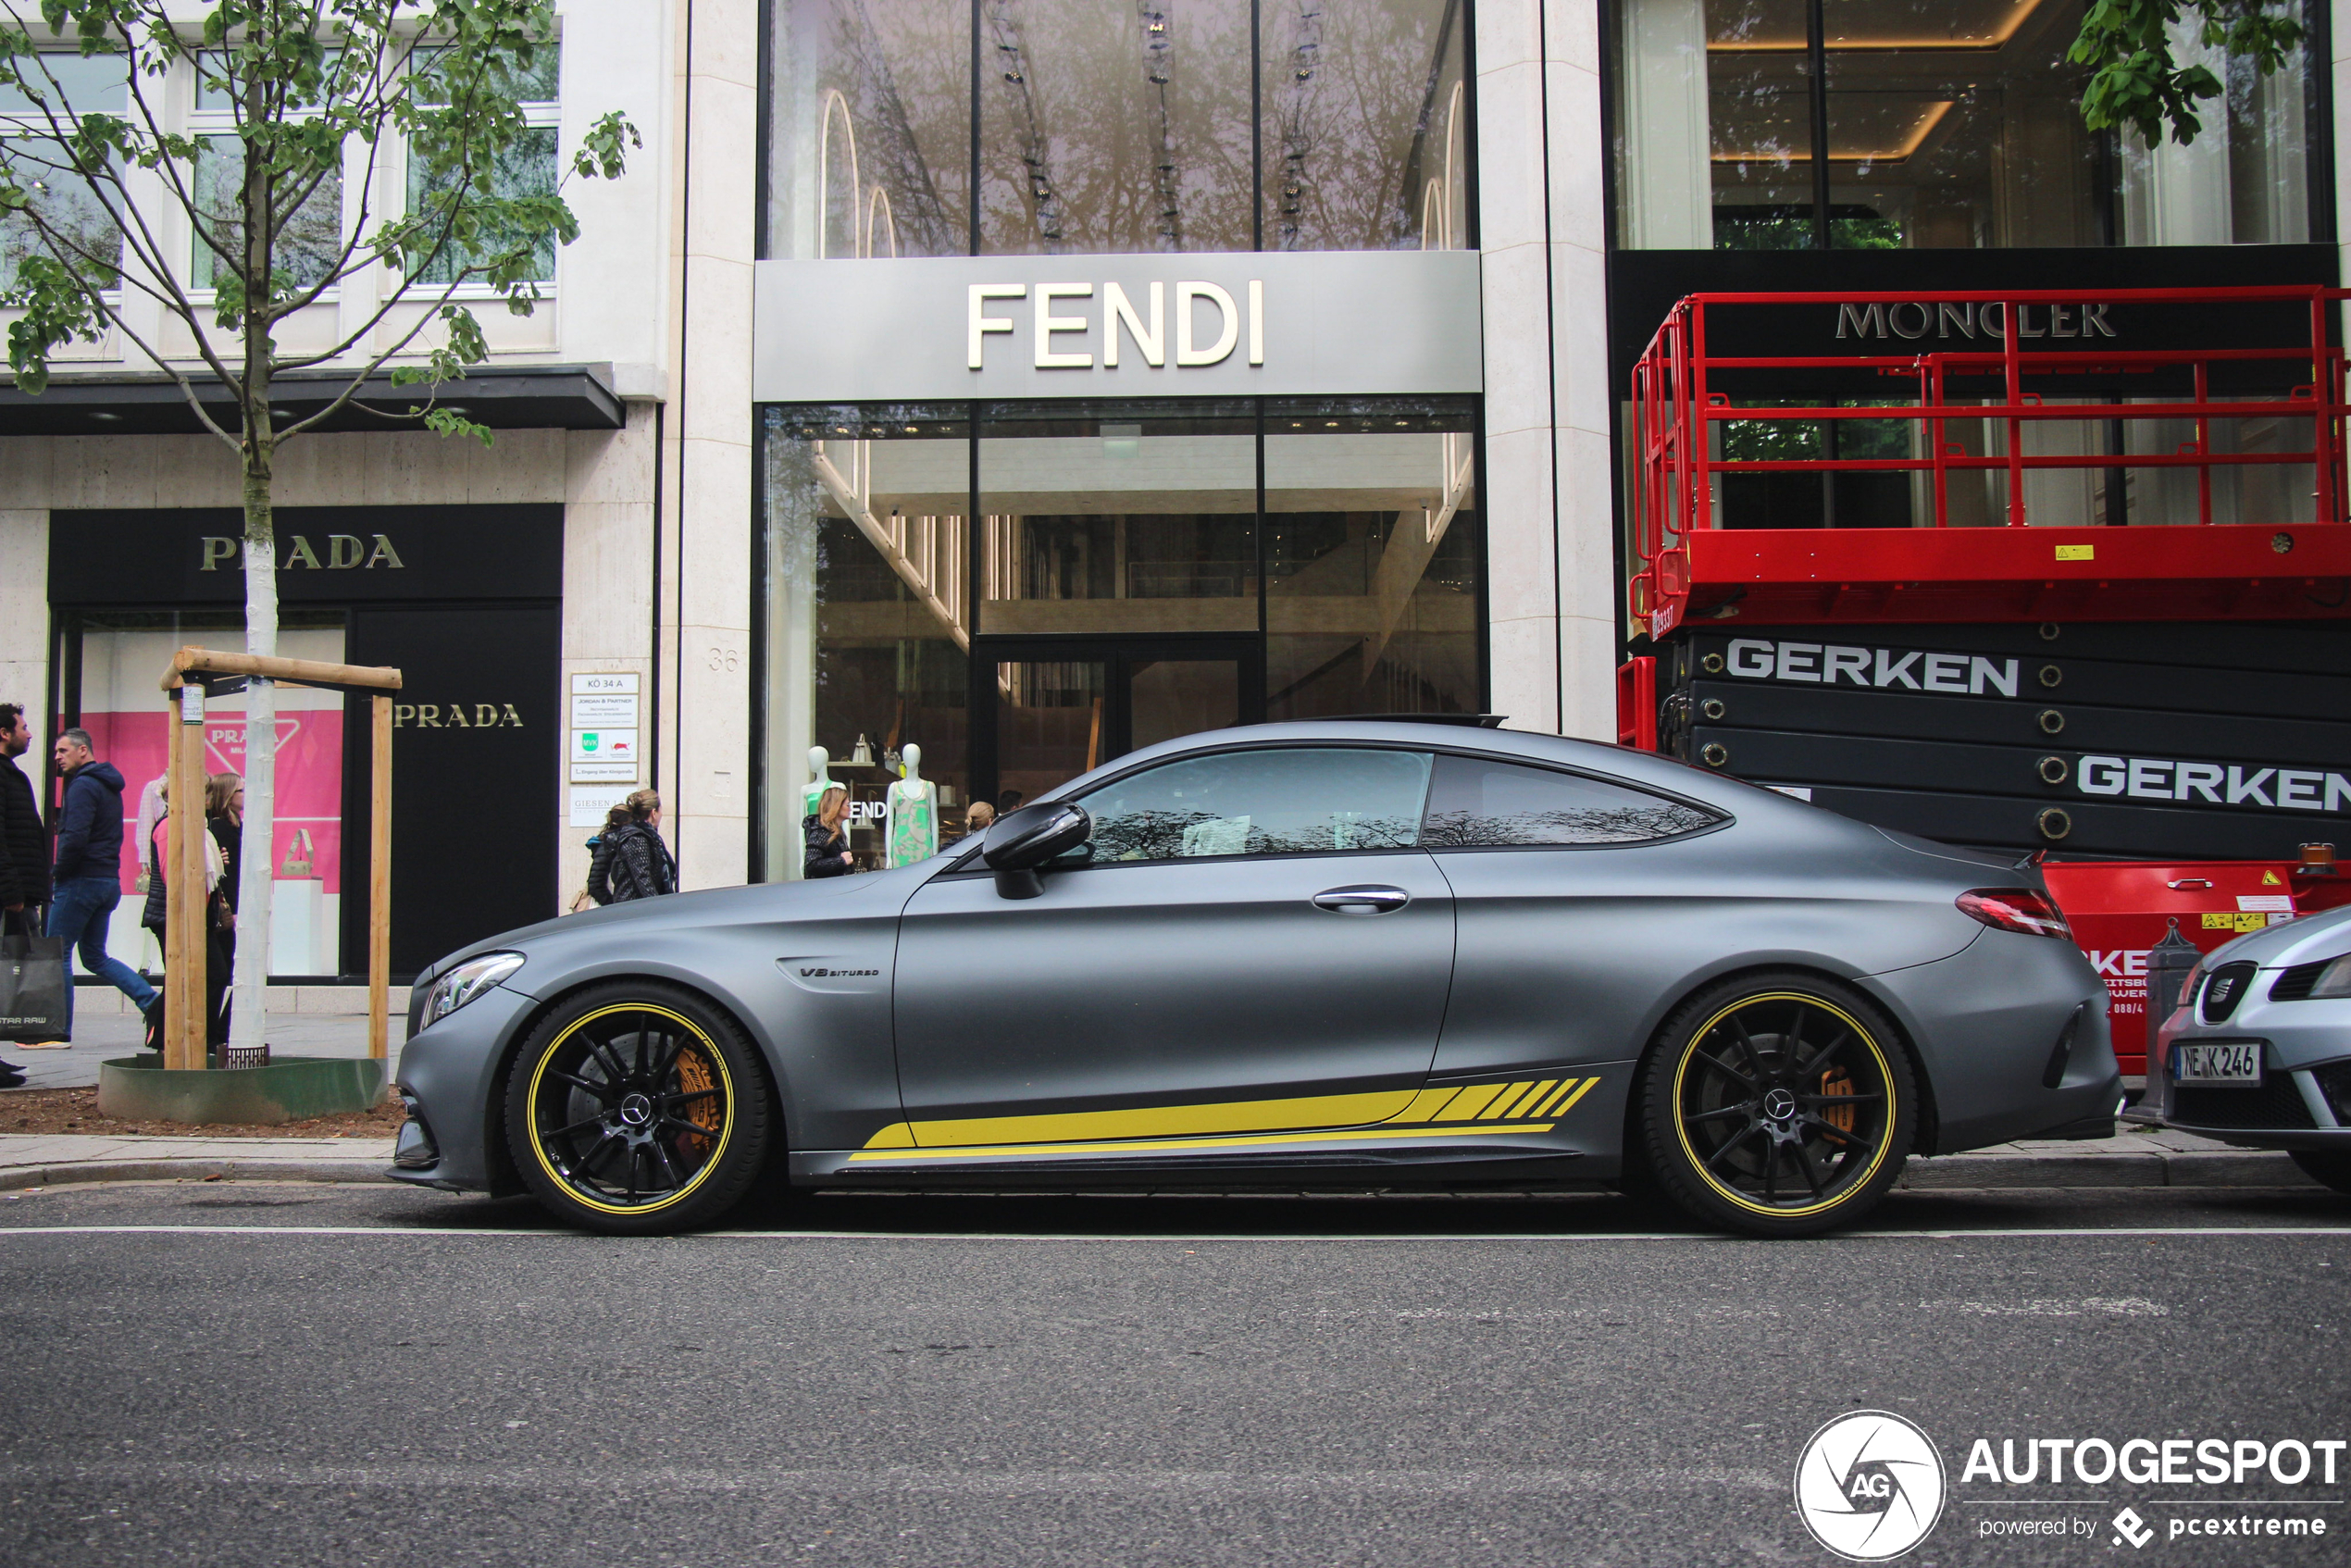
(2328, 1167)
(637, 1109)
(1777, 1104)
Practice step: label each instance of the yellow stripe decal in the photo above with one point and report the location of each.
(1569, 1105)
(1525, 1107)
(1474, 1100)
(1551, 1103)
(1167, 1121)
(1503, 1100)
(1359, 1134)
(1427, 1105)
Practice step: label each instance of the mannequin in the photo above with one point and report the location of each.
(820, 779)
(913, 803)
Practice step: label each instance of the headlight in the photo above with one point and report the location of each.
(2334, 980)
(466, 982)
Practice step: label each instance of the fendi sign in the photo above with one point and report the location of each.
(1270, 323)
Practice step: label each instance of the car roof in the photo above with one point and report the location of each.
(1667, 773)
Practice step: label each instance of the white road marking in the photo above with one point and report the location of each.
(1168, 1237)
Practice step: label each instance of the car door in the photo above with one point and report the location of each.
(1253, 944)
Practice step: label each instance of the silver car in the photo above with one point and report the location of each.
(2258, 1052)
(1370, 952)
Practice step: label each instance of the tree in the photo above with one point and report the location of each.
(2137, 80)
(119, 218)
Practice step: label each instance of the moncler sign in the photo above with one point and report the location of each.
(1250, 324)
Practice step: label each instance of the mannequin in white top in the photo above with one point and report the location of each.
(820, 779)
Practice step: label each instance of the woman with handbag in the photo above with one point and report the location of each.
(220, 925)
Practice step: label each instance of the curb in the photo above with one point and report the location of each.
(75, 1172)
(2253, 1168)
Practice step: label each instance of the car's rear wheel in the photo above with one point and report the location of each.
(2325, 1167)
(637, 1109)
(1777, 1104)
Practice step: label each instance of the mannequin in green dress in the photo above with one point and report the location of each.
(913, 802)
(820, 779)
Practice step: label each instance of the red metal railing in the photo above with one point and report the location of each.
(1680, 413)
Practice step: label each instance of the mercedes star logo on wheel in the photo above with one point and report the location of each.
(1870, 1486)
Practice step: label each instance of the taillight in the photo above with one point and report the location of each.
(2016, 909)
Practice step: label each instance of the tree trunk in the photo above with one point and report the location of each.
(250, 976)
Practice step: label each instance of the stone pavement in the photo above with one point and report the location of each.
(100, 1034)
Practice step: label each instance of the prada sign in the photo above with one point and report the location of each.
(326, 555)
(1251, 324)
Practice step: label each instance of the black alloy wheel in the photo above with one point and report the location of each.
(1778, 1104)
(637, 1109)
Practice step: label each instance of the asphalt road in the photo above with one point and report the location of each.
(306, 1375)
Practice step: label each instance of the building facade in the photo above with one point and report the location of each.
(994, 386)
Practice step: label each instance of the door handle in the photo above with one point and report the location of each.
(1373, 899)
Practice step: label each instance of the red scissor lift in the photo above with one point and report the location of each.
(1978, 362)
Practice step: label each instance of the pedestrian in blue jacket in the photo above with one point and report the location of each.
(88, 869)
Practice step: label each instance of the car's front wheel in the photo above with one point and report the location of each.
(637, 1109)
(1777, 1104)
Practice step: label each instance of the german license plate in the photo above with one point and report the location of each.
(2226, 1062)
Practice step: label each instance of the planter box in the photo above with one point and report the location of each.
(292, 1089)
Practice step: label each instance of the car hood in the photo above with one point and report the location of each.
(2324, 935)
(769, 902)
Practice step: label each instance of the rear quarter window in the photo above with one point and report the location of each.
(1478, 803)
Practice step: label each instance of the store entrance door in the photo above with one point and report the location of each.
(1054, 708)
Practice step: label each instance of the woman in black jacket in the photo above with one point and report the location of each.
(826, 840)
(631, 862)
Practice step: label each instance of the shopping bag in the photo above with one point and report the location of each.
(36, 996)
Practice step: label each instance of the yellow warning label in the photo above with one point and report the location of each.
(2269, 879)
(2077, 551)
(2236, 920)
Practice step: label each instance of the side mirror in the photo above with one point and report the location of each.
(1026, 838)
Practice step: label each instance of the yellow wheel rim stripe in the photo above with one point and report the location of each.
(1697, 1162)
(726, 1094)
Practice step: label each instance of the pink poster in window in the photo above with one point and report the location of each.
(309, 781)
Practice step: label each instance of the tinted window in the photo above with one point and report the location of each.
(1262, 803)
(1480, 803)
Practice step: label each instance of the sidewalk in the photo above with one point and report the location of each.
(2134, 1159)
(102, 1033)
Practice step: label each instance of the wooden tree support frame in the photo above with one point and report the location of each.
(183, 944)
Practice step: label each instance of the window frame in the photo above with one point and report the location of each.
(538, 114)
(31, 125)
(968, 863)
(204, 125)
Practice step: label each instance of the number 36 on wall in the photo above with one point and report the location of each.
(725, 661)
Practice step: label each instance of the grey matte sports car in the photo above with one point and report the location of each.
(2259, 1051)
(1377, 951)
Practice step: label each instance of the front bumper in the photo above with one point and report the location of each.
(2304, 1100)
(451, 1073)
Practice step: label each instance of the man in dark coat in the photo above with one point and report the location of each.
(88, 869)
(24, 845)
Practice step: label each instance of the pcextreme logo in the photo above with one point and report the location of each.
(1870, 1486)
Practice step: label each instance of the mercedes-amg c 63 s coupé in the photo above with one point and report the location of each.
(1371, 952)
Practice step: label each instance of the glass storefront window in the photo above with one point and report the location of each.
(1924, 124)
(1100, 577)
(1364, 125)
(871, 143)
(120, 659)
(1113, 129)
(1118, 519)
(1116, 130)
(1373, 554)
(868, 628)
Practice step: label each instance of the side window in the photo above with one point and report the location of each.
(1263, 802)
(1476, 802)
